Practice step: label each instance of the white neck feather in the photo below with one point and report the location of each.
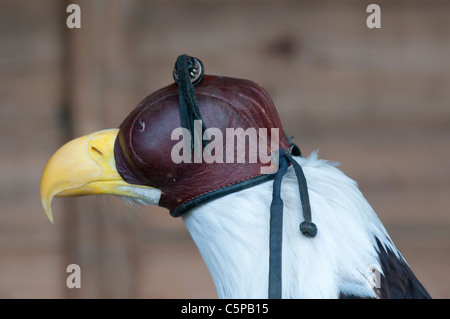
(232, 234)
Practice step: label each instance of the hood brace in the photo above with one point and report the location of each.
(187, 73)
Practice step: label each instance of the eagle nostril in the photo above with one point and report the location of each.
(96, 151)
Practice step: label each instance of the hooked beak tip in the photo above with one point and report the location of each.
(46, 204)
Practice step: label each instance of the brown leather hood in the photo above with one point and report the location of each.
(144, 146)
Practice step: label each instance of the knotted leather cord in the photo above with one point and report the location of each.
(187, 73)
(307, 227)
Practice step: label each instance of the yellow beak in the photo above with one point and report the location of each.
(86, 166)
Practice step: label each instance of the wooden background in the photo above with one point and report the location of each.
(378, 101)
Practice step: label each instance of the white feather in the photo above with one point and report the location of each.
(232, 235)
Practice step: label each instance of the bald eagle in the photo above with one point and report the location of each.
(228, 208)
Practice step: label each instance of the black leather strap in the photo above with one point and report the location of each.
(276, 233)
(307, 227)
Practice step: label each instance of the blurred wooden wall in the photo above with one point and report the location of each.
(378, 101)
